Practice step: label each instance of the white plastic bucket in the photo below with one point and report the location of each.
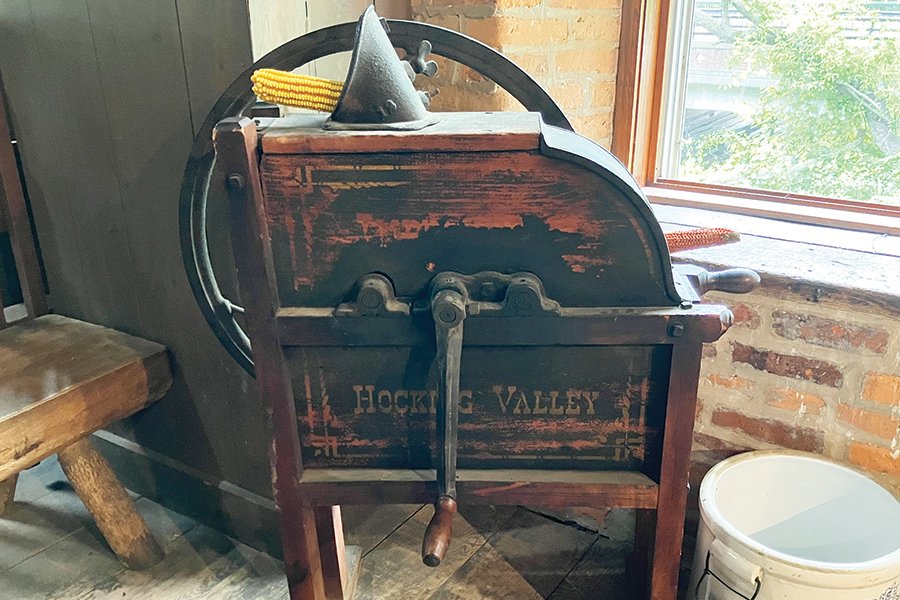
(778, 525)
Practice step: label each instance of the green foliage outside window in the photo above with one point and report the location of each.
(830, 125)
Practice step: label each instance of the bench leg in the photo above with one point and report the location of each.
(111, 506)
(7, 491)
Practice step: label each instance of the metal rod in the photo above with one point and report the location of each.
(448, 307)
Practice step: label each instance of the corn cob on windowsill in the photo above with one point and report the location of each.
(692, 239)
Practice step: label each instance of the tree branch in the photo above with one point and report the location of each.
(720, 28)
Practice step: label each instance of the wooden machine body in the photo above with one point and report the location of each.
(590, 406)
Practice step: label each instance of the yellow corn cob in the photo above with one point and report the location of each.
(292, 89)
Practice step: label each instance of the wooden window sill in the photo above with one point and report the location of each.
(801, 213)
(812, 262)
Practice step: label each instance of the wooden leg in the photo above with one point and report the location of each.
(236, 143)
(109, 503)
(7, 491)
(676, 463)
(330, 531)
(640, 561)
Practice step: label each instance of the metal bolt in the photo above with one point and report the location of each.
(676, 330)
(388, 108)
(523, 301)
(448, 316)
(686, 305)
(235, 181)
(370, 299)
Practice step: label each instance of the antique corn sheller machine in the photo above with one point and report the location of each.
(448, 308)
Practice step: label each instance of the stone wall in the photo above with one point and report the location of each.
(569, 46)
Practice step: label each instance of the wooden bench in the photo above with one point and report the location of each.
(62, 379)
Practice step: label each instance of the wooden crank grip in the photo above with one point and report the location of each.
(437, 535)
(733, 281)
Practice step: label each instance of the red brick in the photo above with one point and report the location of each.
(795, 401)
(733, 382)
(596, 127)
(872, 458)
(585, 4)
(744, 316)
(460, 3)
(882, 388)
(534, 64)
(497, 31)
(828, 332)
(787, 365)
(604, 95)
(768, 430)
(470, 74)
(515, 3)
(592, 27)
(459, 98)
(587, 60)
(866, 420)
(453, 22)
(709, 442)
(568, 95)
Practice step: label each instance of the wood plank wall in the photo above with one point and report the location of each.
(105, 96)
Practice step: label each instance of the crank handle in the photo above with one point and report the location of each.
(448, 307)
(437, 535)
(733, 281)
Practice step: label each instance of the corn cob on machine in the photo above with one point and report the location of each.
(447, 308)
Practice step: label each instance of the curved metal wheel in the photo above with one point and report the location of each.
(238, 98)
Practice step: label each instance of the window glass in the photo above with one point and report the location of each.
(797, 96)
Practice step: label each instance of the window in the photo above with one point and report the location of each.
(765, 106)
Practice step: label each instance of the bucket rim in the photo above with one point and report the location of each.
(709, 508)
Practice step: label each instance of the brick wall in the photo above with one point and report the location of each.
(568, 46)
(805, 373)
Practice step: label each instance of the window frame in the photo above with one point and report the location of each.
(643, 71)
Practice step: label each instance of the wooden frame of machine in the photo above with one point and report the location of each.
(460, 308)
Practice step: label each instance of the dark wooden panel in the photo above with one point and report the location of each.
(145, 97)
(334, 218)
(564, 408)
(215, 39)
(153, 136)
(16, 221)
(69, 167)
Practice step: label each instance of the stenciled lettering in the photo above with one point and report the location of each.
(465, 409)
(498, 390)
(370, 390)
(510, 399)
(401, 409)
